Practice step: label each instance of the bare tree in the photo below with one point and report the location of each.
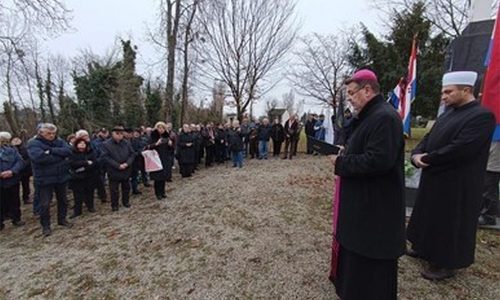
(288, 100)
(447, 16)
(188, 38)
(19, 18)
(244, 41)
(321, 66)
(22, 23)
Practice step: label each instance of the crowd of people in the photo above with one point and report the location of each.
(85, 163)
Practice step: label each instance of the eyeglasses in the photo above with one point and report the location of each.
(352, 93)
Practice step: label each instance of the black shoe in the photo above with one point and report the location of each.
(91, 210)
(136, 193)
(413, 253)
(169, 180)
(65, 224)
(114, 208)
(127, 205)
(46, 231)
(159, 197)
(19, 223)
(147, 184)
(2, 226)
(434, 273)
(74, 215)
(487, 221)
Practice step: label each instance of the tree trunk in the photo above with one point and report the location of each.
(39, 85)
(187, 41)
(172, 30)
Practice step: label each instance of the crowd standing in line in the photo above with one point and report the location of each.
(86, 163)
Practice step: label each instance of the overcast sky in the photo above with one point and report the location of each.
(97, 24)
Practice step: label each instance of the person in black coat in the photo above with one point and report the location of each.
(138, 144)
(186, 152)
(84, 174)
(453, 158)
(220, 144)
(291, 129)
(278, 136)
(26, 173)
(11, 165)
(236, 144)
(164, 145)
(370, 227)
(208, 135)
(118, 157)
(309, 128)
(264, 132)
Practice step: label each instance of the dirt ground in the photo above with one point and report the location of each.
(261, 232)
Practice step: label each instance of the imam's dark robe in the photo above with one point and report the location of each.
(371, 213)
(442, 227)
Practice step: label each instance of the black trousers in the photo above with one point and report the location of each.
(361, 278)
(100, 186)
(10, 203)
(159, 188)
(254, 148)
(25, 183)
(83, 192)
(489, 206)
(277, 148)
(114, 191)
(46, 193)
(210, 155)
(220, 153)
(186, 169)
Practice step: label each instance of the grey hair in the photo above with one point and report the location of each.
(80, 133)
(47, 126)
(5, 137)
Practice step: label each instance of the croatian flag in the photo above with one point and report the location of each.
(404, 93)
(491, 90)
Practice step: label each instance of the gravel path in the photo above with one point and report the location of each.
(261, 232)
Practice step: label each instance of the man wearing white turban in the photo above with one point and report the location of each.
(452, 156)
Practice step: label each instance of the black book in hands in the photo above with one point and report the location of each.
(323, 147)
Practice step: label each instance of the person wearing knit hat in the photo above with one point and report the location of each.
(11, 165)
(453, 157)
(369, 190)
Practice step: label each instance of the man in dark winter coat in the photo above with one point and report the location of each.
(118, 156)
(102, 136)
(264, 134)
(309, 127)
(370, 228)
(49, 157)
(235, 144)
(453, 157)
(291, 129)
(138, 144)
(186, 151)
(209, 142)
(220, 144)
(278, 136)
(11, 165)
